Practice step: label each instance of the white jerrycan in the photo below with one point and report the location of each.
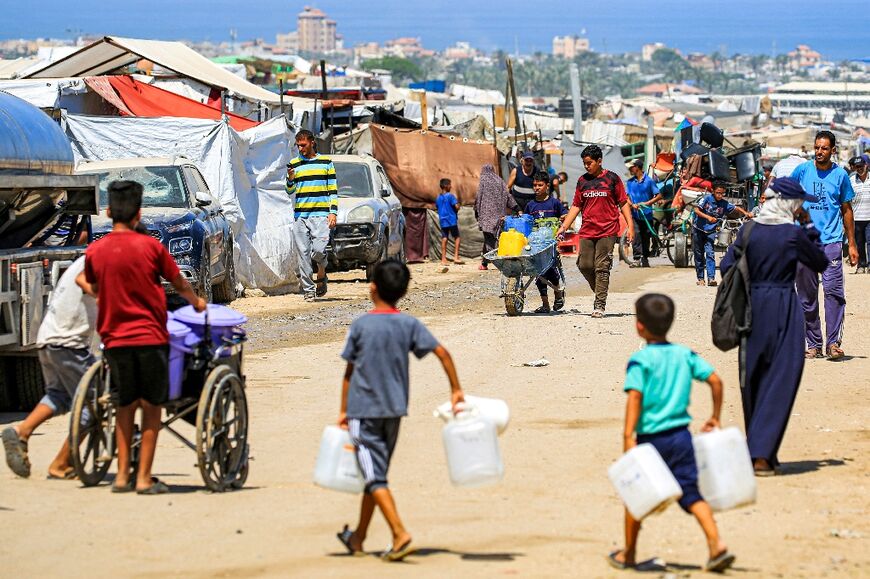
(493, 409)
(725, 476)
(644, 482)
(337, 467)
(473, 457)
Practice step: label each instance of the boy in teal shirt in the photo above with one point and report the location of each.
(659, 383)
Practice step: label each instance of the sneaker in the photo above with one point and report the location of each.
(597, 313)
(713, 283)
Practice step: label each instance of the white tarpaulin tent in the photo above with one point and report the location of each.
(45, 94)
(113, 52)
(245, 171)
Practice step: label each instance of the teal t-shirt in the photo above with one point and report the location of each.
(663, 374)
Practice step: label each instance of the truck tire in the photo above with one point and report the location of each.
(28, 381)
(8, 399)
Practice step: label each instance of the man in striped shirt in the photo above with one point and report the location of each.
(311, 178)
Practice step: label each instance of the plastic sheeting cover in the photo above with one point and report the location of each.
(244, 170)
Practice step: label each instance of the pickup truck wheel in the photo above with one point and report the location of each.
(225, 291)
(28, 380)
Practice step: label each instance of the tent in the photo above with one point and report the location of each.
(143, 100)
(112, 52)
(244, 170)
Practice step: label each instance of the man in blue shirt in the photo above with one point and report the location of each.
(642, 193)
(832, 216)
(448, 209)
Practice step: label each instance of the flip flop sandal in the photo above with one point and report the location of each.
(720, 563)
(158, 488)
(321, 287)
(811, 354)
(395, 555)
(835, 353)
(764, 472)
(542, 310)
(70, 474)
(128, 488)
(16, 452)
(616, 563)
(559, 302)
(345, 536)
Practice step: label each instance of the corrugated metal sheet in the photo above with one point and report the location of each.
(30, 141)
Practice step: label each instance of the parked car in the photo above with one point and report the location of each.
(178, 210)
(370, 226)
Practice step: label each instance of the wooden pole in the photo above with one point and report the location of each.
(324, 90)
(513, 91)
(281, 93)
(424, 111)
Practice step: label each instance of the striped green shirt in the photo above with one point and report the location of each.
(314, 185)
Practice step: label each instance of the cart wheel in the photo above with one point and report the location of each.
(92, 426)
(514, 300)
(222, 431)
(626, 249)
(681, 249)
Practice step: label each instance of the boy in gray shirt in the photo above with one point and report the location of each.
(374, 397)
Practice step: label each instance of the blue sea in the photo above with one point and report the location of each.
(839, 30)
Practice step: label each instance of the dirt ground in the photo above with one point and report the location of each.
(555, 514)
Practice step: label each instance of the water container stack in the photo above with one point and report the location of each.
(515, 235)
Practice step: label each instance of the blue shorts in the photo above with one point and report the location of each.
(447, 232)
(675, 447)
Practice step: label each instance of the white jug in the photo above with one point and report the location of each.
(644, 482)
(725, 476)
(493, 409)
(337, 467)
(473, 457)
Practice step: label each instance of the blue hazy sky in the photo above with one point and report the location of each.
(839, 30)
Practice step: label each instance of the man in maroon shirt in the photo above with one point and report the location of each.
(123, 271)
(600, 197)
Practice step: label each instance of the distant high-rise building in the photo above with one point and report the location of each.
(316, 32)
(647, 51)
(569, 46)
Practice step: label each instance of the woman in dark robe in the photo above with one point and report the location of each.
(493, 202)
(772, 355)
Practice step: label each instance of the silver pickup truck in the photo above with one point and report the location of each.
(44, 213)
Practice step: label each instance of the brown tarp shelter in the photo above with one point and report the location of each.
(415, 161)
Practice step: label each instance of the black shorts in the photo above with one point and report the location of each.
(139, 372)
(447, 232)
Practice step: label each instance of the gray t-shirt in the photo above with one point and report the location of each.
(71, 315)
(378, 345)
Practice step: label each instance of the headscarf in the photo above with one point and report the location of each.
(493, 200)
(778, 210)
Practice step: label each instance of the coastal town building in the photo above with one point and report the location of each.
(569, 46)
(406, 47)
(803, 57)
(806, 98)
(460, 51)
(647, 50)
(316, 32)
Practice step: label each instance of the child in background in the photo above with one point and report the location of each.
(448, 210)
(374, 397)
(64, 341)
(709, 211)
(546, 206)
(123, 270)
(659, 383)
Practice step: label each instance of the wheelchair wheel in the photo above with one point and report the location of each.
(222, 431)
(92, 426)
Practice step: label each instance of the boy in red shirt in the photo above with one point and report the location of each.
(123, 271)
(600, 198)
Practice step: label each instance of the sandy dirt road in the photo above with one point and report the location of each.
(554, 515)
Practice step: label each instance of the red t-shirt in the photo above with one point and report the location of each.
(131, 310)
(599, 199)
